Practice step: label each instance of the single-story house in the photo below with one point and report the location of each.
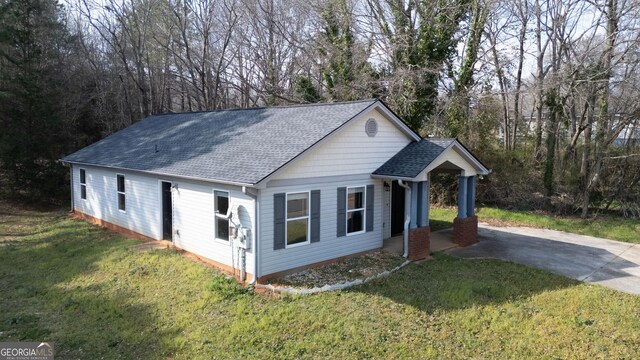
(264, 191)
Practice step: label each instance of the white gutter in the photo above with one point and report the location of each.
(254, 230)
(407, 216)
(226, 182)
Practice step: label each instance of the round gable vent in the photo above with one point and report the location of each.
(371, 127)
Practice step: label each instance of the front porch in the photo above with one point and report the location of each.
(407, 180)
(440, 240)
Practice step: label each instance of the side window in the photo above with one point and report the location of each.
(121, 193)
(355, 209)
(297, 218)
(83, 184)
(221, 207)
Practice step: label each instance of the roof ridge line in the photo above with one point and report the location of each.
(270, 107)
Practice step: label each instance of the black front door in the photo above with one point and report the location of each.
(167, 212)
(397, 209)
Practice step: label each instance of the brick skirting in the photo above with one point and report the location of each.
(465, 231)
(419, 243)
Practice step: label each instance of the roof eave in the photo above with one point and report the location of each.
(484, 170)
(390, 115)
(392, 177)
(194, 178)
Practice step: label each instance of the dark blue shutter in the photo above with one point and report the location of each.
(342, 212)
(279, 221)
(370, 198)
(315, 216)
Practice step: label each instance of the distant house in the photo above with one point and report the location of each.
(265, 191)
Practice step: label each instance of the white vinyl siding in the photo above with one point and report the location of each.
(192, 202)
(329, 246)
(350, 151)
(194, 220)
(143, 213)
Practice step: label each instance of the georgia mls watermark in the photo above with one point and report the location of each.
(26, 351)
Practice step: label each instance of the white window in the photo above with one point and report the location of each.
(297, 219)
(355, 210)
(121, 197)
(221, 207)
(83, 184)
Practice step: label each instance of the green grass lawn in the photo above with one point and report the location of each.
(94, 296)
(608, 227)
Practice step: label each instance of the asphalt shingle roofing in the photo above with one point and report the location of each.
(415, 157)
(239, 146)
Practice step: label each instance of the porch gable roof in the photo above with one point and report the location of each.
(425, 155)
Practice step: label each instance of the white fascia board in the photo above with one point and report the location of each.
(163, 174)
(471, 158)
(386, 112)
(392, 177)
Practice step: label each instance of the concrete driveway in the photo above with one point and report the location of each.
(610, 263)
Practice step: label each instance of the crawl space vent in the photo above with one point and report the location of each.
(371, 127)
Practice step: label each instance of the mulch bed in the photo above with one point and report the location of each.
(358, 267)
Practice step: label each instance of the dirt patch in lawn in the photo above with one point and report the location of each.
(358, 267)
(505, 223)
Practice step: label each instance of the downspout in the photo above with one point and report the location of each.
(407, 216)
(254, 231)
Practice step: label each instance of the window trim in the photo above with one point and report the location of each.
(219, 216)
(363, 209)
(124, 193)
(286, 219)
(83, 184)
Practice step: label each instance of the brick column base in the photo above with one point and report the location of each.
(465, 231)
(419, 243)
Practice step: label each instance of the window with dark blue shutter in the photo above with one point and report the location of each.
(342, 212)
(355, 209)
(297, 220)
(279, 220)
(370, 197)
(315, 216)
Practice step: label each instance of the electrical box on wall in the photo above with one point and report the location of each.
(243, 238)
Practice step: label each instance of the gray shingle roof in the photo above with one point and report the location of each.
(415, 157)
(238, 146)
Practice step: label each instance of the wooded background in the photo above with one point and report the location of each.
(545, 92)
